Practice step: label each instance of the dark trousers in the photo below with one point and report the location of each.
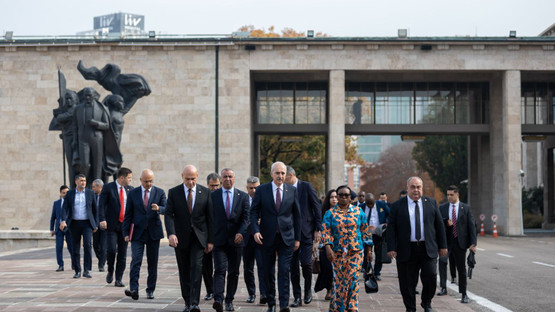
(459, 255)
(252, 252)
(60, 247)
(408, 272)
(81, 228)
(226, 258)
(285, 254)
(302, 256)
(137, 252)
(208, 272)
(452, 266)
(99, 246)
(116, 247)
(189, 262)
(377, 255)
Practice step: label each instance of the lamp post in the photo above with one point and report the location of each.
(520, 183)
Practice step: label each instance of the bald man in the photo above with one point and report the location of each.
(189, 220)
(142, 227)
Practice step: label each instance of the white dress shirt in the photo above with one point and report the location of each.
(186, 189)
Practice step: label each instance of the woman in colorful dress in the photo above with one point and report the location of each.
(325, 277)
(345, 232)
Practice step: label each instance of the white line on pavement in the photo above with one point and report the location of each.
(546, 264)
(505, 255)
(480, 249)
(480, 300)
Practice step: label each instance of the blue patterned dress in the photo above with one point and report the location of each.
(347, 233)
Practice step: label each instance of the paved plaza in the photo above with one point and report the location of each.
(29, 283)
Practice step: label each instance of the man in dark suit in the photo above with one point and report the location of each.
(213, 180)
(111, 214)
(189, 223)
(253, 252)
(376, 212)
(55, 219)
(80, 216)
(231, 219)
(142, 226)
(311, 223)
(415, 236)
(461, 235)
(99, 237)
(277, 207)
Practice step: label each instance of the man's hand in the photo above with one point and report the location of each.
(51, 233)
(258, 238)
(208, 248)
(317, 236)
(238, 238)
(372, 228)
(63, 225)
(173, 240)
(126, 238)
(473, 248)
(450, 222)
(95, 229)
(155, 207)
(392, 254)
(297, 245)
(103, 225)
(443, 252)
(369, 255)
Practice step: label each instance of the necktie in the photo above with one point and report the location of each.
(145, 200)
(454, 219)
(227, 207)
(190, 201)
(278, 199)
(121, 204)
(417, 230)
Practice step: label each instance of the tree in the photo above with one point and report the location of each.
(351, 151)
(270, 33)
(445, 159)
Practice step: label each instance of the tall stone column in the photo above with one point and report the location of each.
(505, 151)
(336, 132)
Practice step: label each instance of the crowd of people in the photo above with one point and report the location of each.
(212, 229)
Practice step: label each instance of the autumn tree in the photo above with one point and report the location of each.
(271, 33)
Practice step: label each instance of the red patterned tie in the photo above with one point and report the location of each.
(227, 207)
(190, 201)
(121, 204)
(454, 218)
(145, 200)
(278, 199)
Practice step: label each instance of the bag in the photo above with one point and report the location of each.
(315, 262)
(370, 282)
(384, 257)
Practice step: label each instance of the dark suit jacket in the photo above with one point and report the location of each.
(466, 228)
(288, 220)
(56, 216)
(179, 221)
(136, 214)
(311, 212)
(109, 207)
(383, 211)
(90, 199)
(224, 229)
(399, 228)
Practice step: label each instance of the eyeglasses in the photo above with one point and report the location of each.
(344, 195)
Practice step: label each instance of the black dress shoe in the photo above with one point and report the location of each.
(453, 281)
(186, 309)
(251, 298)
(208, 296)
(77, 274)
(132, 293)
(286, 309)
(60, 268)
(464, 298)
(427, 308)
(118, 283)
(217, 306)
(271, 309)
(86, 274)
(100, 268)
(109, 278)
(229, 307)
(307, 299)
(263, 299)
(194, 308)
(442, 292)
(296, 303)
(149, 294)
(378, 278)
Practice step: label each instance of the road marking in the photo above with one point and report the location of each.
(505, 255)
(479, 300)
(480, 249)
(541, 263)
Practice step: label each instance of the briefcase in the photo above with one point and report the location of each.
(384, 257)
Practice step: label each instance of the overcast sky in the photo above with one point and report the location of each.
(353, 18)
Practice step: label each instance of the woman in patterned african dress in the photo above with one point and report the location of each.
(345, 232)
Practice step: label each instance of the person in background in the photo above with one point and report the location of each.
(325, 277)
(99, 237)
(55, 219)
(213, 181)
(345, 235)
